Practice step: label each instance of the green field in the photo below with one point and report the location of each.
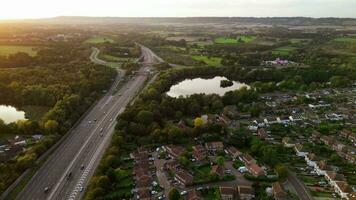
(226, 40)
(212, 61)
(299, 41)
(346, 39)
(284, 50)
(98, 40)
(12, 49)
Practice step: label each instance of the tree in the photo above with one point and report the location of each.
(198, 122)
(220, 160)
(174, 194)
(145, 117)
(281, 171)
(51, 126)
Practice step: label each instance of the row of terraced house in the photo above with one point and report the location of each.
(336, 180)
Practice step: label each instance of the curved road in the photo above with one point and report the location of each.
(86, 144)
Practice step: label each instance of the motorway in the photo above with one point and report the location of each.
(298, 186)
(80, 152)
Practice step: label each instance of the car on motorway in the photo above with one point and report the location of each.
(46, 189)
(81, 189)
(69, 175)
(110, 120)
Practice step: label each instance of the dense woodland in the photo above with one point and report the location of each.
(65, 81)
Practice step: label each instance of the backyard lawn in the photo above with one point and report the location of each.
(12, 49)
(211, 194)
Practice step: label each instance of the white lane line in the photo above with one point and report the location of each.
(78, 154)
(96, 154)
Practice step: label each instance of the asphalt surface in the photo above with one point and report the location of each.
(85, 145)
(299, 187)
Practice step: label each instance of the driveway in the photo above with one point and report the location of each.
(161, 175)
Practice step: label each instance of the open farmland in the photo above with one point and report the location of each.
(12, 49)
(346, 39)
(226, 40)
(98, 40)
(211, 61)
(284, 50)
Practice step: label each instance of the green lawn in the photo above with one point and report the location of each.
(346, 39)
(297, 40)
(321, 194)
(284, 50)
(211, 194)
(98, 40)
(212, 61)
(12, 49)
(226, 40)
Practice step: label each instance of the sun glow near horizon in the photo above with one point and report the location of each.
(24, 9)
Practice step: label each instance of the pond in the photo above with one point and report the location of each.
(202, 86)
(10, 114)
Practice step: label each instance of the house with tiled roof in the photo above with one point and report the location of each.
(172, 165)
(327, 140)
(255, 170)
(311, 159)
(194, 195)
(351, 196)
(332, 177)
(262, 133)
(245, 192)
(342, 188)
(234, 153)
(183, 178)
(300, 151)
(287, 142)
(316, 135)
(321, 167)
(143, 194)
(345, 133)
(214, 146)
(227, 193)
(278, 191)
(217, 169)
(175, 151)
(199, 152)
(247, 159)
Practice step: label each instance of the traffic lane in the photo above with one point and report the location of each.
(298, 186)
(36, 187)
(97, 132)
(127, 95)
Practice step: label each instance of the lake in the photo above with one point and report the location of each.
(10, 114)
(202, 86)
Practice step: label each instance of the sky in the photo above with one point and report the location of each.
(23, 9)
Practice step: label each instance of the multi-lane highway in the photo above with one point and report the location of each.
(69, 168)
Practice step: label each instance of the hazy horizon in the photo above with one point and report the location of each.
(37, 9)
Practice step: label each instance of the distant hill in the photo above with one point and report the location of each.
(292, 21)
